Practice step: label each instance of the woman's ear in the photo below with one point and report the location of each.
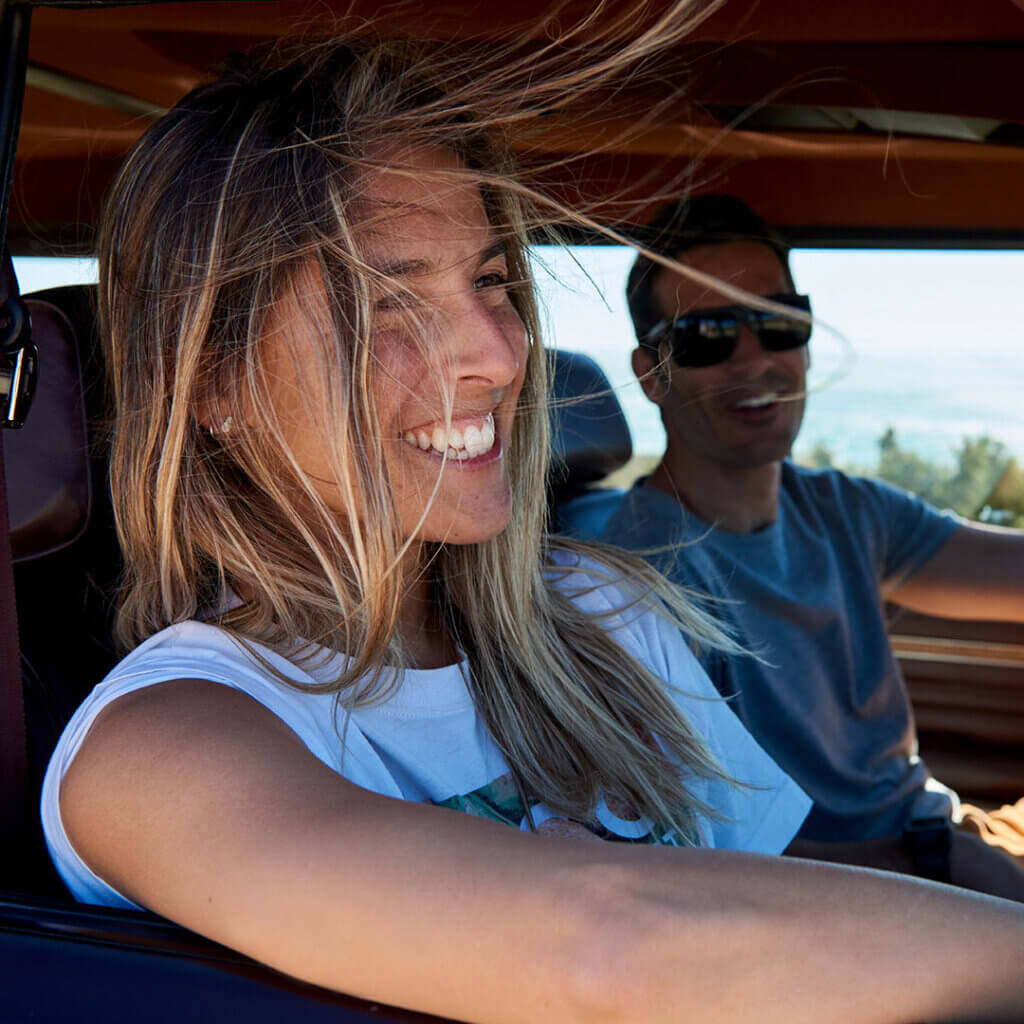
(654, 376)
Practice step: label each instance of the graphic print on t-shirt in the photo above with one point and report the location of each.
(500, 801)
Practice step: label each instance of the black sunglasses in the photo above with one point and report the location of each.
(709, 336)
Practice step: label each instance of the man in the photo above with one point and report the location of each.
(799, 562)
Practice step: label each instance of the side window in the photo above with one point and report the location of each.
(916, 373)
(929, 395)
(38, 272)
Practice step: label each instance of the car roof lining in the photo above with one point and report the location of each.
(856, 122)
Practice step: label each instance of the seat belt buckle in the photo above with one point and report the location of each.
(19, 363)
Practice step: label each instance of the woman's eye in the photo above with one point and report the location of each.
(492, 279)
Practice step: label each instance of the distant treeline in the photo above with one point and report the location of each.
(984, 482)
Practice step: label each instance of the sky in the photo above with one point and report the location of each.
(930, 343)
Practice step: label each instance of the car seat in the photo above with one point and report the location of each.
(590, 440)
(66, 558)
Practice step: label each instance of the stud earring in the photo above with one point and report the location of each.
(223, 429)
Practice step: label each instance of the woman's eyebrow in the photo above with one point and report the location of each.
(402, 268)
(495, 249)
(419, 267)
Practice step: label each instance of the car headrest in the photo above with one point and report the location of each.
(47, 460)
(590, 436)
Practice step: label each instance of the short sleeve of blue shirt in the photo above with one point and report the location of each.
(902, 531)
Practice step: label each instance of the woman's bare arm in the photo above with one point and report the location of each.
(195, 801)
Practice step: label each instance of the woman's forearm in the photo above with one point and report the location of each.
(578, 931)
(773, 939)
(198, 803)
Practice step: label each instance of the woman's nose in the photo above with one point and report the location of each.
(488, 343)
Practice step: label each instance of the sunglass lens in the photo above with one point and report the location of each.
(704, 340)
(779, 333)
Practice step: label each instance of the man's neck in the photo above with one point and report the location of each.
(737, 499)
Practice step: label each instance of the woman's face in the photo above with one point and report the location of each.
(446, 340)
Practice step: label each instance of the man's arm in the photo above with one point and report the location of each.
(973, 864)
(977, 574)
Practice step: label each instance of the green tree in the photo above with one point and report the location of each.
(909, 471)
(820, 457)
(984, 482)
(1005, 504)
(981, 463)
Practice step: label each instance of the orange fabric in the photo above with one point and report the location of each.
(1003, 828)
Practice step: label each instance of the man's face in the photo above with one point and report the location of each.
(747, 410)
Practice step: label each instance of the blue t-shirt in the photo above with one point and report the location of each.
(806, 594)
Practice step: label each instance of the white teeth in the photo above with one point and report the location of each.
(758, 401)
(480, 439)
(472, 438)
(469, 442)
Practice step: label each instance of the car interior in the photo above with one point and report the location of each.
(880, 124)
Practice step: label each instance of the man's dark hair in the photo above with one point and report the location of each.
(679, 227)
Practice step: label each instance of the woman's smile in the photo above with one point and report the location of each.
(465, 440)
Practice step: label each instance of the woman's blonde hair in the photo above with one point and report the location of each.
(248, 190)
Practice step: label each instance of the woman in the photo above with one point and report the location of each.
(328, 470)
